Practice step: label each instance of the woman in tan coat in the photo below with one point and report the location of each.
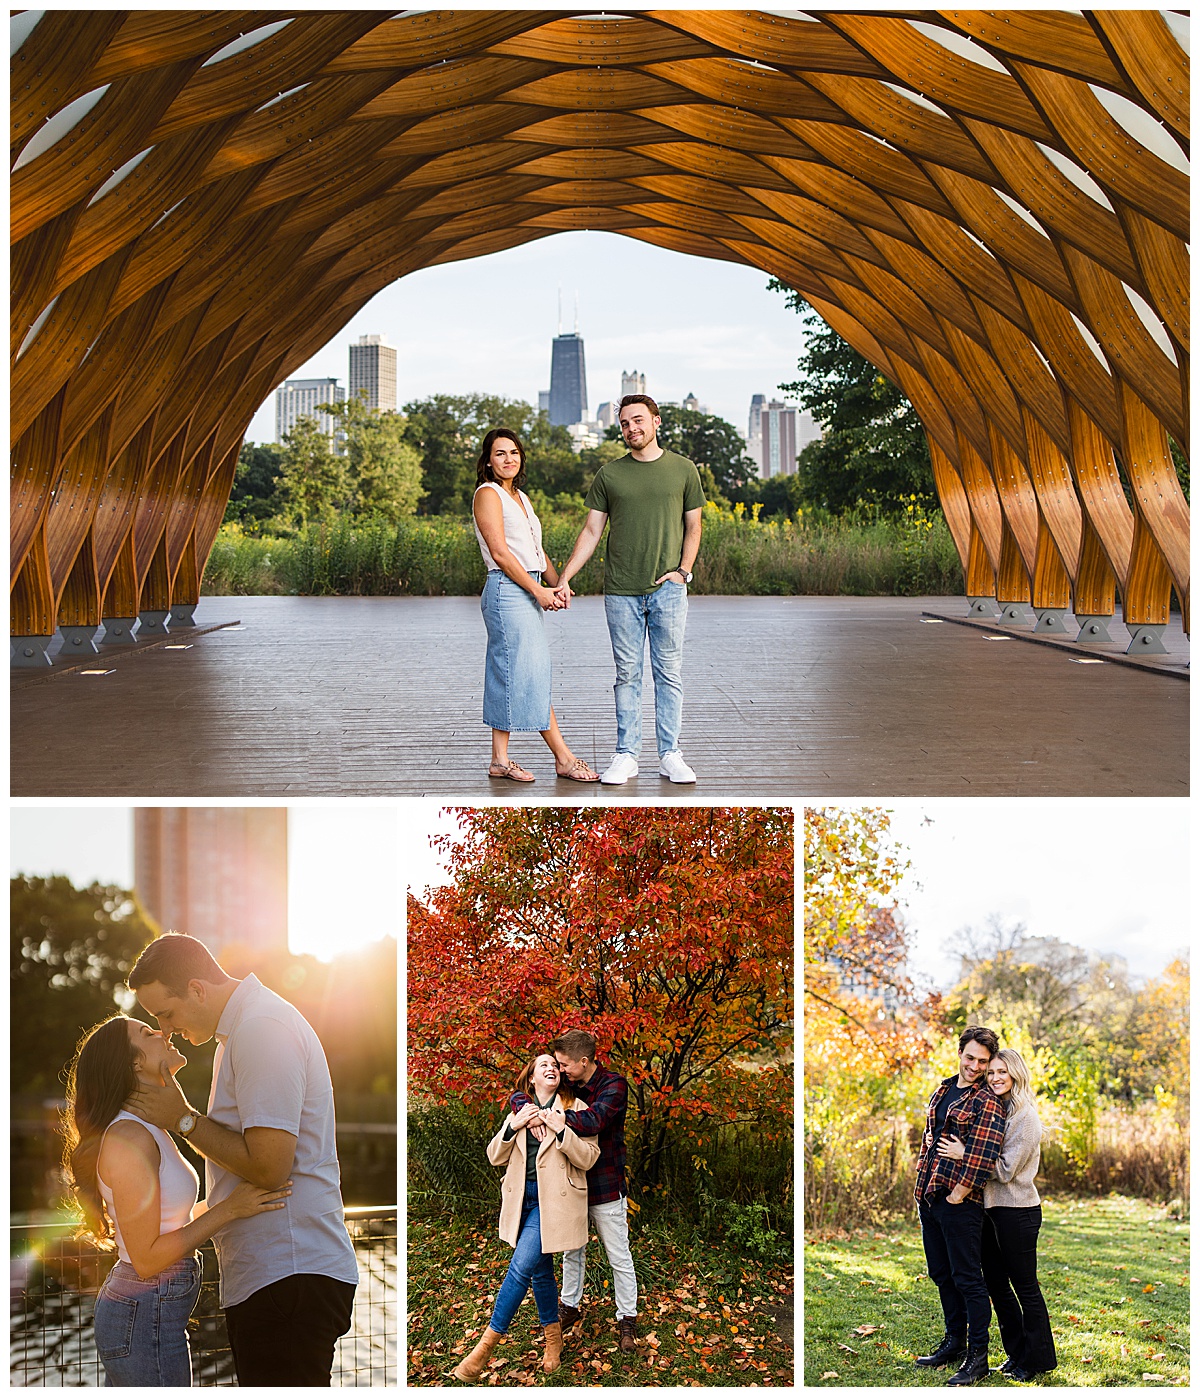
(543, 1210)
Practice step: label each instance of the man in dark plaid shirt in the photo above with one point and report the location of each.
(949, 1197)
(607, 1098)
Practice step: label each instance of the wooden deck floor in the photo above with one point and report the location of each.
(786, 698)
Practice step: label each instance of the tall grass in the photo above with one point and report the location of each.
(860, 1170)
(740, 555)
(1142, 1153)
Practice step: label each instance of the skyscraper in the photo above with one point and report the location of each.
(754, 441)
(779, 449)
(373, 372)
(300, 397)
(219, 874)
(568, 380)
(632, 382)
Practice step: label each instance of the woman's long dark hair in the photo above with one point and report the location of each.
(524, 1083)
(483, 467)
(102, 1076)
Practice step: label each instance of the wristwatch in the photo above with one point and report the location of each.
(186, 1124)
(687, 576)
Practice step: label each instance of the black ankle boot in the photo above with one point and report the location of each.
(949, 1353)
(975, 1366)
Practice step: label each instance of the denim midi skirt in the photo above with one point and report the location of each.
(516, 677)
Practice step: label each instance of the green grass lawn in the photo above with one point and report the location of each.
(706, 1319)
(1114, 1272)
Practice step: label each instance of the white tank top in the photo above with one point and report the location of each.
(178, 1184)
(522, 531)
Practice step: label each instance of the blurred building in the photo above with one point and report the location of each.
(606, 415)
(754, 436)
(568, 380)
(544, 401)
(219, 874)
(632, 382)
(300, 397)
(778, 433)
(373, 372)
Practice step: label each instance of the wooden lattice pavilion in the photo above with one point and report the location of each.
(992, 206)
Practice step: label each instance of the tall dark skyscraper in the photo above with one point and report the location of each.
(568, 380)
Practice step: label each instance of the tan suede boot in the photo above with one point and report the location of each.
(477, 1360)
(553, 1355)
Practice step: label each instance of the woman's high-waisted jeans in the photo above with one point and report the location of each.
(530, 1266)
(141, 1326)
(516, 677)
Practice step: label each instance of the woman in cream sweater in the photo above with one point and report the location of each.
(1013, 1217)
(543, 1210)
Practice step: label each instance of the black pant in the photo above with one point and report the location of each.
(1010, 1238)
(284, 1334)
(952, 1234)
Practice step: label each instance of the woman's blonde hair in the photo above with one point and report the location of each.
(1022, 1093)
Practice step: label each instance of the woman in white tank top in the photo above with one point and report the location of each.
(138, 1196)
(516, 678)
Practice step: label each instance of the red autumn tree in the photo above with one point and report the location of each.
(667, 933)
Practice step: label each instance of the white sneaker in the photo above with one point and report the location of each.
(620, 769)
(674, 768)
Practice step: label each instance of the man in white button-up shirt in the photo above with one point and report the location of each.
(288, 1277)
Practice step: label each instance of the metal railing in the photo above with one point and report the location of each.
(55, 1280)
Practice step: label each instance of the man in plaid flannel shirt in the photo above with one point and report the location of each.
(607, 1097)
(949, 1197)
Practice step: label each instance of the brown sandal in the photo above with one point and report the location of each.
(578, 771)
(509, 771)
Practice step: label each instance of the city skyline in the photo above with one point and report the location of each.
(691, 325)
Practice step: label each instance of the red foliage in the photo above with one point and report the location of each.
(667, 933)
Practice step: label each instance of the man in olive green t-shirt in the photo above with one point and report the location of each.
(652, 500)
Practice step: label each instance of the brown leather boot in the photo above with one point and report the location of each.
(568, 1317)
(627, 1329)
(552, 1358)
(477, 1360)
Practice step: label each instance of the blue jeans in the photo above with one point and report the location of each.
(660, 616)
(141, 1326)
(516, 675)
(530, 1266)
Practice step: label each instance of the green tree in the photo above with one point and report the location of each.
(70, 950)
(591, 458)
(312, 480)
(253, 499)
(874, 449)
(447, 431)
(709, 441)
(383, 468)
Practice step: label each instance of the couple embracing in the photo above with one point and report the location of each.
(562, 1147)
(273, 1203)
(981, 1214)
(652, 501)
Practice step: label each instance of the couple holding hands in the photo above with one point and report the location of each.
(562, 1147)
(652, 501)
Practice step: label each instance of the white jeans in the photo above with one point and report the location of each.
(611, 1222)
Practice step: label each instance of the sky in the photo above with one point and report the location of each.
(1108, 875)
(330, 907)
(690, 324)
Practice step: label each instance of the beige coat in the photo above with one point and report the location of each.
(561, 1178)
